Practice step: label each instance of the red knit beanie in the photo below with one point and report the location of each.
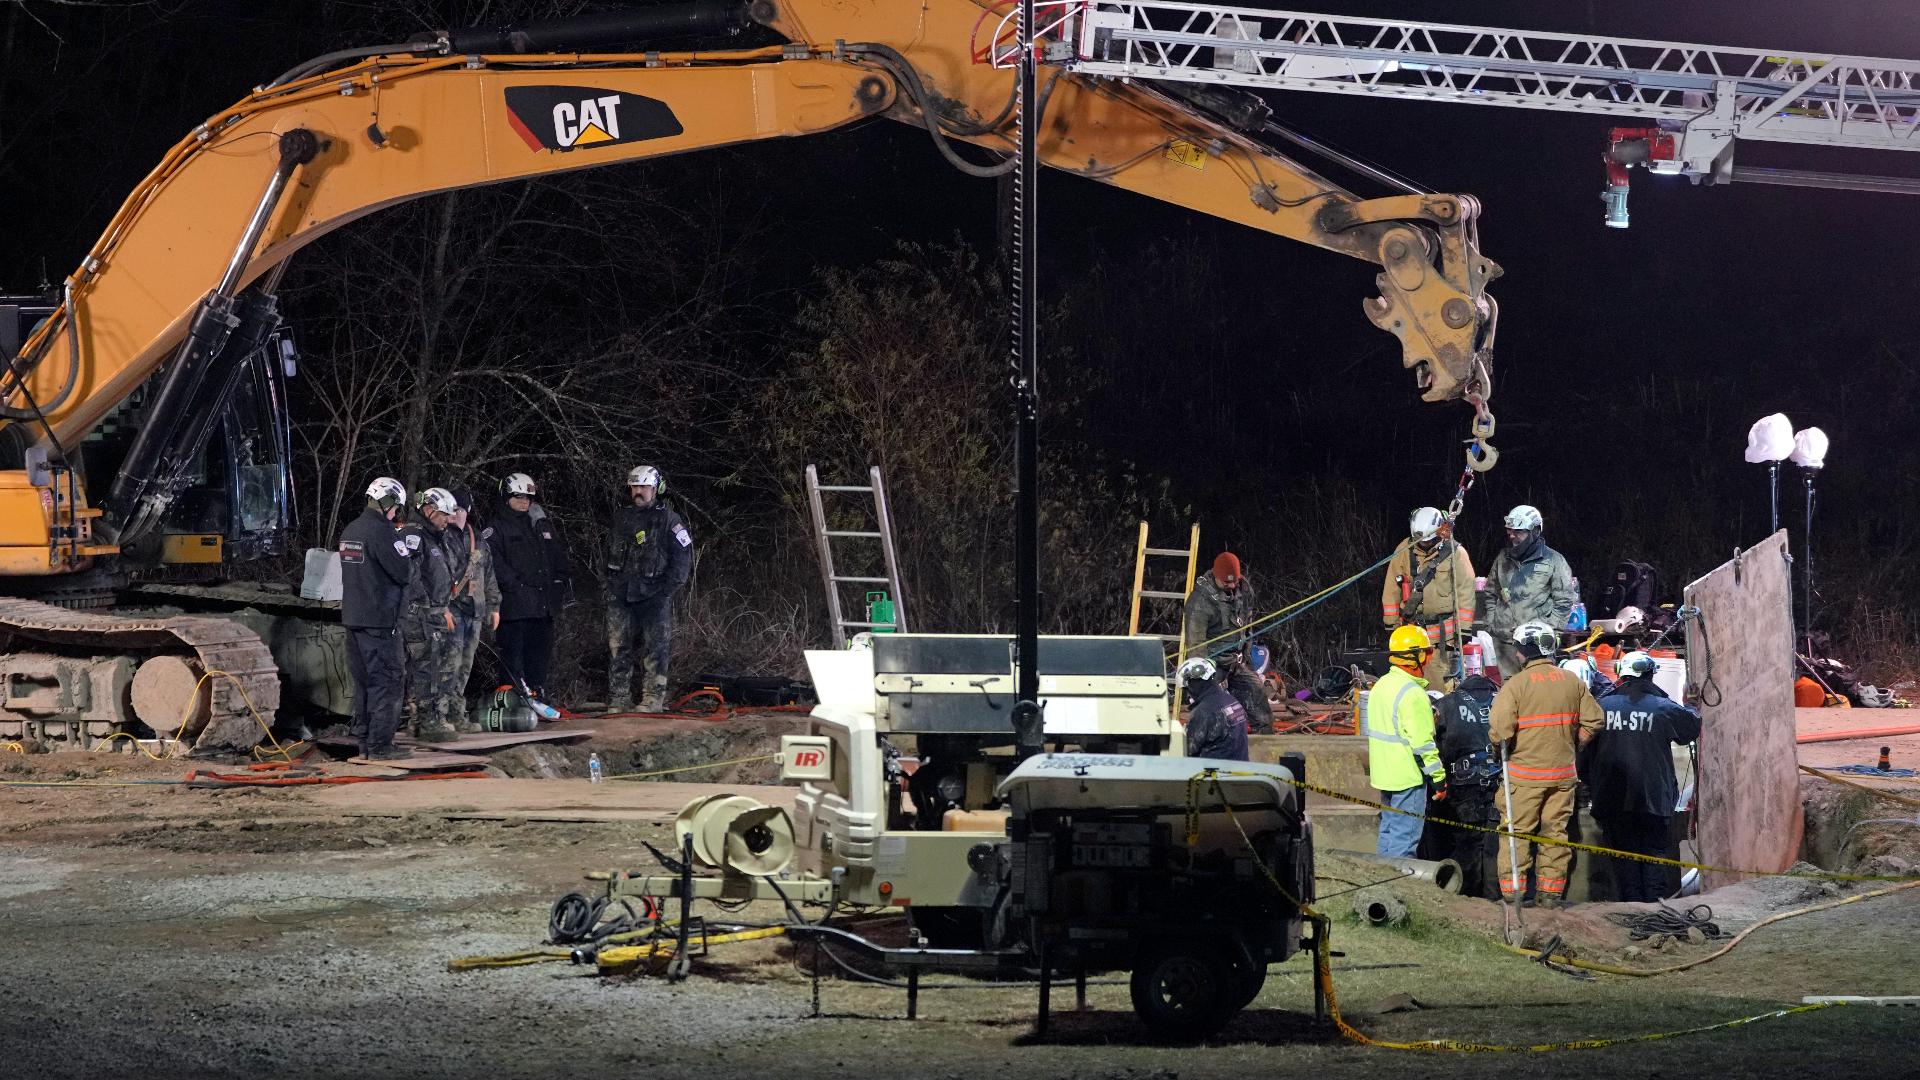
(1226, 565)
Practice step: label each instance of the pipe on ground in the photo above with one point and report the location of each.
(1859, 733)
(1443, 875)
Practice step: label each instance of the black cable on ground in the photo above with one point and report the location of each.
(1669, 922)
(576, 919)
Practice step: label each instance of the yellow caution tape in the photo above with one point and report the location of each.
(1323, 973)
(1879, 792)
(1821, 875)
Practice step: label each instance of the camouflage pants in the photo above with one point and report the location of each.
(431, 656)
(466, 643)
(646, 625)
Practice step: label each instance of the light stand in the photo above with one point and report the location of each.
(1773, 495)
(1810, 453)
(1769, 441)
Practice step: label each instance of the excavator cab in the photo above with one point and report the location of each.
(233, 491)
(234, 500)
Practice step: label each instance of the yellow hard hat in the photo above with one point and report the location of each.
(1407, 646)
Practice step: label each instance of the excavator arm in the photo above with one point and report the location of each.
(167, 287)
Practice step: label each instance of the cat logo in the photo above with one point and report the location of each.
(563, 118)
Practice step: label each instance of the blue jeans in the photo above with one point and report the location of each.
(1400, 834)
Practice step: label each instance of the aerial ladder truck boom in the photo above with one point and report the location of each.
(1688, 105)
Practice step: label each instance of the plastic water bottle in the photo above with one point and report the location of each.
(1577, 618)
(593, 768)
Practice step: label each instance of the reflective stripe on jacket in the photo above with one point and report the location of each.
(1541, 709)
(1399, 729)
(1446, 601)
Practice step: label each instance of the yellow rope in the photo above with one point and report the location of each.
(1193, 648)
(186, 710)
(1723, 950)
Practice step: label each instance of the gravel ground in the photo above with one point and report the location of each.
(218, 947)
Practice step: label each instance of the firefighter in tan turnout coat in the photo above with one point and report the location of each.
(1541, 716)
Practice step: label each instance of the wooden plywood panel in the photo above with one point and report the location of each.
(1749, 779)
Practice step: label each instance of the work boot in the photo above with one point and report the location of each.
(389, 752)
(1549, 903)
(467, 727)
(435, 733)
(656, 702)
(621, 703)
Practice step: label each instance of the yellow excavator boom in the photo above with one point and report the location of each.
(243, 192)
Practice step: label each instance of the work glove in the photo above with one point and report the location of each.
(1438, 790)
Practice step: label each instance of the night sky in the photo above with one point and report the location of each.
(1629, 367)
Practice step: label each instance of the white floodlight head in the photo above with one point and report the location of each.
(1810, 448)
(1770, 439)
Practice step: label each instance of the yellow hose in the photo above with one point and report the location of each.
(1610, 969)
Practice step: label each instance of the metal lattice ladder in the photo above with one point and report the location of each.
(1141, 552)
(824, 536)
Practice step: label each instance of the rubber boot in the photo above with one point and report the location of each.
(657, 697)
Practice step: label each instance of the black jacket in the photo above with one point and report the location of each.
(432, 584)
(1629, 763)
(1462, 719)
(530, 562)
(1217, 727)
(374, 569)
(649, 553)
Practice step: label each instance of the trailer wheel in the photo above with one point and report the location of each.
(1247, 984)
(1183, 989)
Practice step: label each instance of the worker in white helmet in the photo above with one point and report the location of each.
(375, 566)
(649, 560)
(530, 561)
(1529, 582)
(1217, 723)
(1429, 584)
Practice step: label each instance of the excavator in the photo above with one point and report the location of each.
(143, 420)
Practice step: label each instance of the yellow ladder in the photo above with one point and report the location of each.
(1141, 552)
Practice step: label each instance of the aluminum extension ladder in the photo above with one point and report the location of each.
(1141, 552)
(824, 536)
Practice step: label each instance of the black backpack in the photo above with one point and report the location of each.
(1634, 584)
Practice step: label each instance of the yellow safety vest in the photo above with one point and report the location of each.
(1398, 724)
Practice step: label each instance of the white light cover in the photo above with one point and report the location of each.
(1810, 448)
(1770, 438)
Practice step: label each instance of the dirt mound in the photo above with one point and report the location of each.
(682, 750)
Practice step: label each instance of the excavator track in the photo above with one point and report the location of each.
(219, 645)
